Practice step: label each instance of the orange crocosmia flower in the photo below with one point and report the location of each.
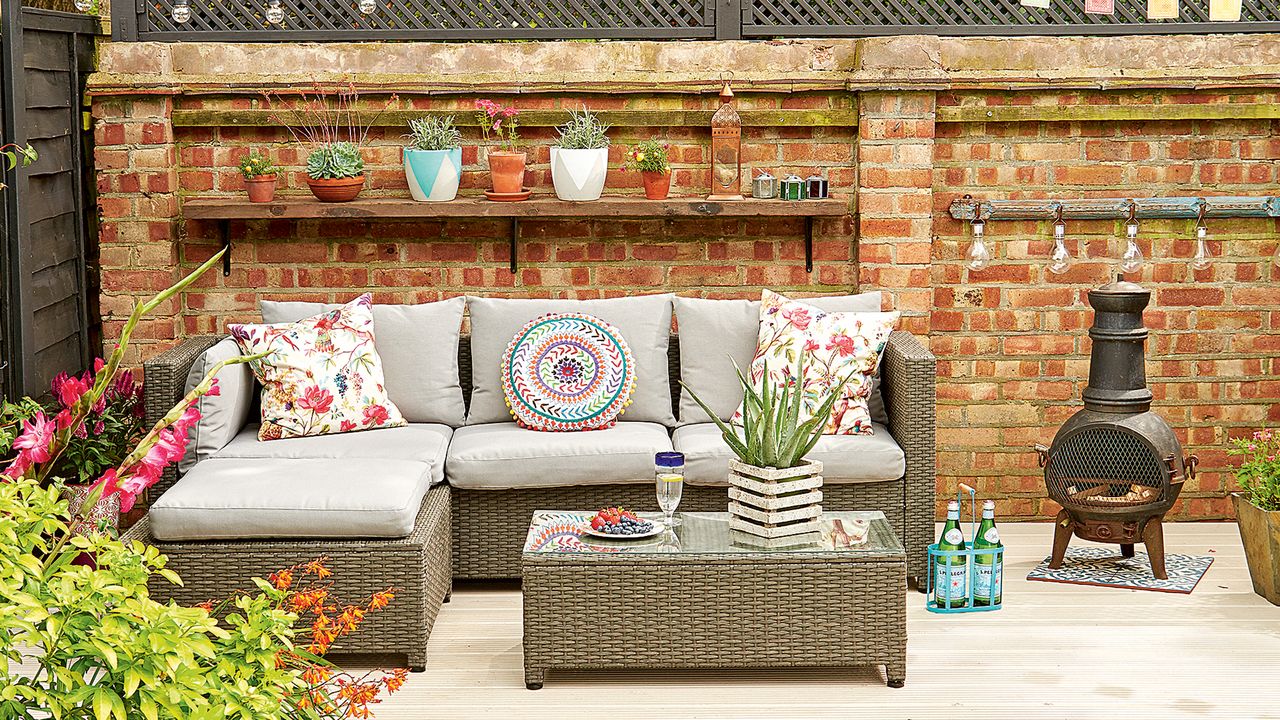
(395, 680)
(316, 674)
(282, 580)
(317, 568)
(206, 606)
(381, 600)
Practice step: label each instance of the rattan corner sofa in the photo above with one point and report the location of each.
(485, 478)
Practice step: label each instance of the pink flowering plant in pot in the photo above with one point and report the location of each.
(1258, 508)
(506, 162)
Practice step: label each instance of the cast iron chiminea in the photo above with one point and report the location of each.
(1115, 467)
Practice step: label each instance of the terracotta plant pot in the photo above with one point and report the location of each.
(262, 189)
(336, 189)
(1260, 534)
(506, 171)
(656, 184)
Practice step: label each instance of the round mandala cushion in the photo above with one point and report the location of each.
(568, 371)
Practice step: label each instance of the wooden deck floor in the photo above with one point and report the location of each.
(1054, 651)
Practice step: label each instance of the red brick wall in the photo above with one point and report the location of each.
(1011, 340)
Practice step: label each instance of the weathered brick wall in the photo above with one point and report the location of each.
(934, 120)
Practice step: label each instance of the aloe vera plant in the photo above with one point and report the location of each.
(772, 435)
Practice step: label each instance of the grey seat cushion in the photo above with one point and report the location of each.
(644, 321)
(224, 498)
(418, 442)
(503, 456)
(418, 345)
(222, 416)
(716, 333)
(845, 458)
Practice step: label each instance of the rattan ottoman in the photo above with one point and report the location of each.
(708, 597)
(417, 566)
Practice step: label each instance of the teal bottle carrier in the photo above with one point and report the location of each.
(948, 560)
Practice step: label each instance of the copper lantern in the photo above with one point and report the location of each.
(726, 149)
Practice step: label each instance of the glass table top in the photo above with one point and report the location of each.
(699, 533)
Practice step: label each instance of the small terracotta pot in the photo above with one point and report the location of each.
(336, 189)
(262, 189)
(656, 184)
(506, 171)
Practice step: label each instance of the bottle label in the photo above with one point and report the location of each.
(953, 536)
(955, 578)
(992, 536)
(987, 580)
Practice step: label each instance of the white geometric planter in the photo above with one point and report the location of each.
(579, 174)
(773, 503)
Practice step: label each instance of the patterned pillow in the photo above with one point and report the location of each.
(568, 371)
(322, 374)
(837, 345)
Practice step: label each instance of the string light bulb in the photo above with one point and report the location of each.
(979, 256)
(1060, 259)
(275, 13)
(84, 5)
(181, 11)
(368, 7)
(1132, 259)
(1203, 259)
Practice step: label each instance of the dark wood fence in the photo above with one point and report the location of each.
(246, 20)
(48, 303)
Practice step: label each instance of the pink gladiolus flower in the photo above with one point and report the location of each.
(64, 419)
(37, 435)
(109, 483)
(99, 364)
(214, 390)
(69, 390)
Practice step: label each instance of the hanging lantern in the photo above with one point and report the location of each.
(726, 149)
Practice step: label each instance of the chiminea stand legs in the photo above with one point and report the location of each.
(1152, 535)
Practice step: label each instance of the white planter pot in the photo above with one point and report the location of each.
(579, 174)
(433, 175)
(773, 503)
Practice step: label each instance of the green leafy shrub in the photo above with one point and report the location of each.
(335, 161)
(772, 435)
(256, 165)
(1259, 469)
(434, 133)
(584, 131)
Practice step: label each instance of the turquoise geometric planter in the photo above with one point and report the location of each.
(433, 175)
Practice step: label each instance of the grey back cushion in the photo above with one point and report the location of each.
(644, 321)
(418, 345)
(716, 333)
(221, 415)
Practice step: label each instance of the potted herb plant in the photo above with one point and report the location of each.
(330, 120)
(650, 158)
(259, 177)
(774, 491)
(507, 162)
(1258, 508)
(433, 161)
(580, 160)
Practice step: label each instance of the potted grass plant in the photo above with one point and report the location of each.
(433, 160)
(1258, 508)
(259, 177)
(580, 160)
(774, 490)
(650, 158)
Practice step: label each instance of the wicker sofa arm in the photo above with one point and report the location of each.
(164, 384)
(908, 381)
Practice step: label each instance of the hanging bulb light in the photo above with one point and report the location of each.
(979, 256)
(1203, 259)
(275, 13)
(181, 11)
(1132, 259)
(1060, 258)
(368, 7)
(84, 5)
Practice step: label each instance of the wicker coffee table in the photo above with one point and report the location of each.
(709, 597)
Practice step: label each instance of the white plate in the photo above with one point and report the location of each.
(657, 530)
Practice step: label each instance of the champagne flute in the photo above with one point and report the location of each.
(669, 481)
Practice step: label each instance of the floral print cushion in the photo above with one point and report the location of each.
(322, 374)
(836, 344)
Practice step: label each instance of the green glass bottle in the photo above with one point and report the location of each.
(955, 576)
(988, 568)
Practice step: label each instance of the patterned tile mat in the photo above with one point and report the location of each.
(1103, 566)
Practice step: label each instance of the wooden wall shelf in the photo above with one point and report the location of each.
(225, 209)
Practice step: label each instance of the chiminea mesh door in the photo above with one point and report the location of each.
(1103, 466)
